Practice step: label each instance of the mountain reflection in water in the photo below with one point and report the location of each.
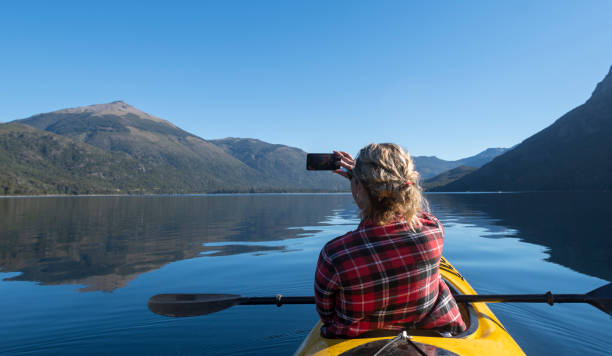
(573, 225)
(105, 242)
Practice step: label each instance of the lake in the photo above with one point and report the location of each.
(76, 272)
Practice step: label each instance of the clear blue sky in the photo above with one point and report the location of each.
(444, 78)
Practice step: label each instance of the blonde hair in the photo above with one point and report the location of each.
(388, 175)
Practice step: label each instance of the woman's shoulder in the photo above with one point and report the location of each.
(338, 242)
(430, 221)
(344, 243)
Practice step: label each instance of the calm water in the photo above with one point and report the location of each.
(75, 273)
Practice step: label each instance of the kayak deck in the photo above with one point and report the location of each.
(485, 334)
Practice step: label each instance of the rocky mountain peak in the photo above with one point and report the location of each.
(604, 88)
(492, 152)
(117, 108)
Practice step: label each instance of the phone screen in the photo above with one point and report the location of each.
(322, 162)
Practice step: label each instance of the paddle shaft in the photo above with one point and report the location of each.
(179, 305)
(485, 298)
(524, 298)
(278, 300)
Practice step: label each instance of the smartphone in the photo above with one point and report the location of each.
(322, 162)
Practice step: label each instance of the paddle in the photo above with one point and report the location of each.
(180, 305)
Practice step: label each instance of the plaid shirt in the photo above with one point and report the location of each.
(384, 277)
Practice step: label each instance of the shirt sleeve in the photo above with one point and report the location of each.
(326, 288)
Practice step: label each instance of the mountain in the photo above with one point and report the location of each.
(190, 163)
(283, 165)
(130, 151)
(483, 157)
(574, 153)
(37, 162)
(431, 166)
(447, 177)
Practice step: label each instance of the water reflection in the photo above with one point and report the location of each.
(573, 225)
(105, 242)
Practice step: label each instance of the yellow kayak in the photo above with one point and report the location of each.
(485, 334)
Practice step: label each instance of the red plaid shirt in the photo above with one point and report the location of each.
(384, 277)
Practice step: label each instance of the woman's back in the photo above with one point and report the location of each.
(384, 276)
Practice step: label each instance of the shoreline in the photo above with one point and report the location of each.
(170, 194)
(274, 193)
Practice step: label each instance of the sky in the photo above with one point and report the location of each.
(443, 78)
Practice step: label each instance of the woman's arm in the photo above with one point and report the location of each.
(326, 287)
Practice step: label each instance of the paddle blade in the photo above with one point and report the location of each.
(601, 298)
(180, 305)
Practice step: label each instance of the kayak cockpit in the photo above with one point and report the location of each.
(400, 345)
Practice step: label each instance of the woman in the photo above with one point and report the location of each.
(384, 275)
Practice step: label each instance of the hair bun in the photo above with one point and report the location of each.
(387, 172)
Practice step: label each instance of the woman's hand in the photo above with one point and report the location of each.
(346, 161)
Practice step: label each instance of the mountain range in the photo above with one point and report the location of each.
(116, 148)
(447, 177)
(431, 166)
(574, 153)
